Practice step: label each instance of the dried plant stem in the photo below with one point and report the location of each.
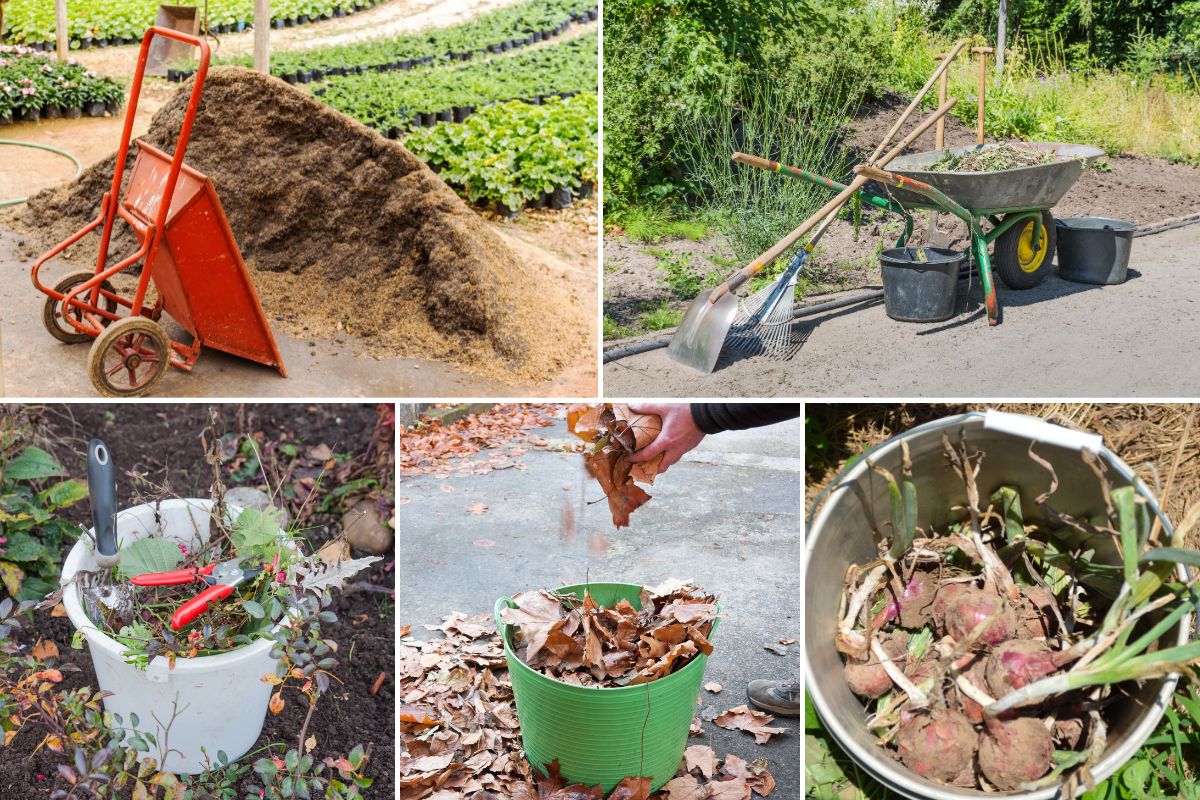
(915, 696)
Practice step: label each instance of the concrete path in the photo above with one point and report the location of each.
(1061, 339)
(728, 516)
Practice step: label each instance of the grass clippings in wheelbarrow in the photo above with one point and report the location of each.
(347, 232)
(989, 653)
(461, 740)
(581, 642)
(992, 158)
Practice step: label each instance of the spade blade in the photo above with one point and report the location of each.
(698, 341)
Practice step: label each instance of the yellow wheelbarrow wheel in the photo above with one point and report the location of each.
(1017, 261)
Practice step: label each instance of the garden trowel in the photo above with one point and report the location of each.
(102, 492)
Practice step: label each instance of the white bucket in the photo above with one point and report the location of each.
(220, 701)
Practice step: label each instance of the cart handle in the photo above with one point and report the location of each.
(185, 131)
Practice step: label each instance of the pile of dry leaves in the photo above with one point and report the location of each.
(615, 432)
(433, 447)
(584, 643)
(460, 738)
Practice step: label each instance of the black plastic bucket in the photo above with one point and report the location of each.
(1094, 249)
(920, 284)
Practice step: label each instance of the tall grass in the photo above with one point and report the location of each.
(755, 208)
(1040, 96)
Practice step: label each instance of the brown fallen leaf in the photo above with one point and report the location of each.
(787, 641)
(701, 757)
(686, 787)
(755, 773)
(45, 649)
(743, 718)
(614, 433)
(477, 508)
(712, 686)
(59, 610)
(631, 788)
(276, 703)
(732, 789)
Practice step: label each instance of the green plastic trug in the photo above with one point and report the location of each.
(598, 735)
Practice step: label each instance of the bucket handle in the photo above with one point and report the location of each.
(501, 604)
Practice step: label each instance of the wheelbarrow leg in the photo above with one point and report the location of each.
(985, 279)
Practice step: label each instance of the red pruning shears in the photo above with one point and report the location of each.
(221, 578)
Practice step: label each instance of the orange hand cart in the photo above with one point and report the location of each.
(185, 246)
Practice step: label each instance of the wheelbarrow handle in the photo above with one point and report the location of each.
(185, 132)
(755, 161)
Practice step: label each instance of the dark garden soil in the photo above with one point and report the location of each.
(1144, 190)
(163, 442)
(345, 230)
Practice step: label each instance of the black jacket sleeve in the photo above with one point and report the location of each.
(717, 417)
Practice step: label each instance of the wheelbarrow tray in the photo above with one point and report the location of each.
(198, 270)
(985, 193)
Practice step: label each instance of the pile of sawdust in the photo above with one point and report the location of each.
(347, 232)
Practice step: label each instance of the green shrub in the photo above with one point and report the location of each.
(513, 153)
(31, 532)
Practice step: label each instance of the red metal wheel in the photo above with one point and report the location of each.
(129, 358)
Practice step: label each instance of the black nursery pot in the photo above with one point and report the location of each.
(5, 118)
(394, 132)
(446, 115)
(428, 119)
(278, 24)
(84, 44)
(113, 107)
(591, 14)
(304, 76)
(73, 112)
(462, 112)
(318, 74)
(288, 77)
(31, 115)
(537, 36)
(52, 112)
(173, 75)
(289, 22)
(302, 19)
(94, 109)
(339, 12)
(239, 27)
(561, 198)
(406, 63)
(540, 202)
(585, 189)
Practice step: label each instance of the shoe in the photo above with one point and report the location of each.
(778, 697)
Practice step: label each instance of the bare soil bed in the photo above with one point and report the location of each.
(162, 442)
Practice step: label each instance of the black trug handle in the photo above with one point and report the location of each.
(102, 489)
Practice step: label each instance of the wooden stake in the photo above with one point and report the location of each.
(939, 133)
(916, 101)
(262, 36)
(983, 53)
(60, 28)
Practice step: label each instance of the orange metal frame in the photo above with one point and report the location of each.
(86, 297)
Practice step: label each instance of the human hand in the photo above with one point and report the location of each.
(679, 433)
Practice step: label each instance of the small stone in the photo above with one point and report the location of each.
(364, 530)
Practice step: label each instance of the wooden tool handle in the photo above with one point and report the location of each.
(748, 271)
(754, 161)
(916, 101)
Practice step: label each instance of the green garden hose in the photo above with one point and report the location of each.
(36, 146)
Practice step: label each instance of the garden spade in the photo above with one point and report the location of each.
(698, 341)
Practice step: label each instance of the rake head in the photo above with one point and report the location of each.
(763, 324)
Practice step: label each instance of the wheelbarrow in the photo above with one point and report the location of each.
(185, 247)
(1015, 203)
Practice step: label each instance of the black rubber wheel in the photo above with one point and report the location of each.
(1015, 260)
(52, 317)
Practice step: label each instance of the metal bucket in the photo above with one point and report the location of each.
(857, 505)
(920, 284)
(1094, 249)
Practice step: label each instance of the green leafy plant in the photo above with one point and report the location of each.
(392, 99)
(513, 153)
(31, 80)
(32, 491)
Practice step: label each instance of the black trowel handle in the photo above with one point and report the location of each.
(102, 489)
